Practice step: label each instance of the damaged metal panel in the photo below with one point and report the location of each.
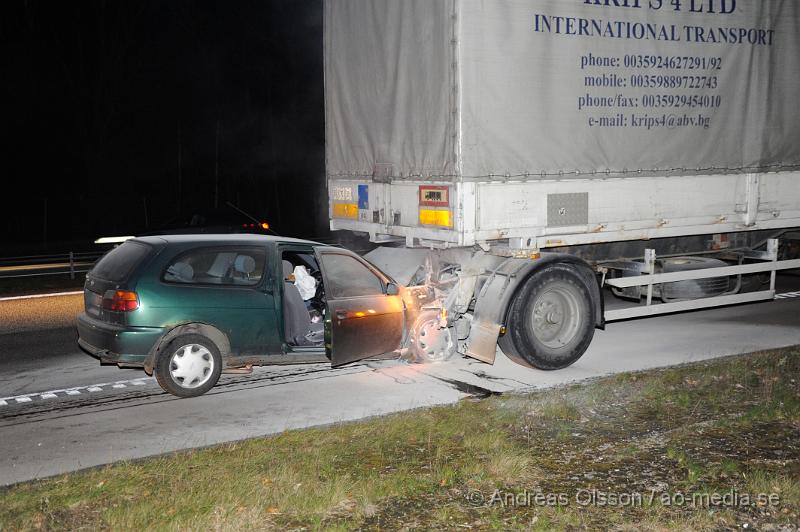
(401, 264)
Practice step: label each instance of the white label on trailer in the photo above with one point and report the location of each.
(342, 193)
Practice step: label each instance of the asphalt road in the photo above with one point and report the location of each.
(60, 410)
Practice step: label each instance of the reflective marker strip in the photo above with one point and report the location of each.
(24, 399)
(434, 217)
(345, 210)
(118, 385)
(93, 389)
(73, 392)
(3, 403)
(49, 396)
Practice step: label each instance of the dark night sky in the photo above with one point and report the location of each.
(99, 100)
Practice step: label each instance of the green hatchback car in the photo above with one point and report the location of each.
(188, 307)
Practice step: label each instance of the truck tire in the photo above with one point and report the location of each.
(692, 288)
(507, 347)
(551, 320)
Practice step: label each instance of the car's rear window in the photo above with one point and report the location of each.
(117, 264)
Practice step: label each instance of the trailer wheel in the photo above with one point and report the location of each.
(551, 320)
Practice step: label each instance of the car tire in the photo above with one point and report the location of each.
(551, 320)
(431, 343)
(188, 366)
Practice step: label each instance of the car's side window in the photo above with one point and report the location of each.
(345, 276)
(241, 266)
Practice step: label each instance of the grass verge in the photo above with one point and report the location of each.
(708, 445)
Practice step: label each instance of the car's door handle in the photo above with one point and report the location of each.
(340, 315)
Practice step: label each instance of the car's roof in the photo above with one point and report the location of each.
(221, 239)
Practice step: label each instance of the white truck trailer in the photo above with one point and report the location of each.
(530, 153)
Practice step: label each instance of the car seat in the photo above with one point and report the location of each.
(243, 266)
(181, 272)
(298, 326)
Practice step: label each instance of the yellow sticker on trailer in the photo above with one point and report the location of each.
(434, 217)
(345, 210)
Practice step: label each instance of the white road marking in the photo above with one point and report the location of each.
(787, 295)
(34, 296)
(75, 390)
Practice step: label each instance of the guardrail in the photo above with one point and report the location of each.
(70, 263)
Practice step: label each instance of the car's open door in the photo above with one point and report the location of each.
(365, 315)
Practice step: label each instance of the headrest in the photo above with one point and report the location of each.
(181, 271)
(244, 264)
(287, 269)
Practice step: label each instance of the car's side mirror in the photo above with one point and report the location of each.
(391, 289)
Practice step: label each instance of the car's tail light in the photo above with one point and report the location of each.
(120, 301)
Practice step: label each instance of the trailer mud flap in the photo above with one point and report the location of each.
(482, 341)
(490, 308)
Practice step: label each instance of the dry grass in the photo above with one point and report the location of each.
(731, 424)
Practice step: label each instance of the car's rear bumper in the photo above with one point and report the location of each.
(126, 346)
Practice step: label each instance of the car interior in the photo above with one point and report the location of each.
(217, 267)
(303, 316)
